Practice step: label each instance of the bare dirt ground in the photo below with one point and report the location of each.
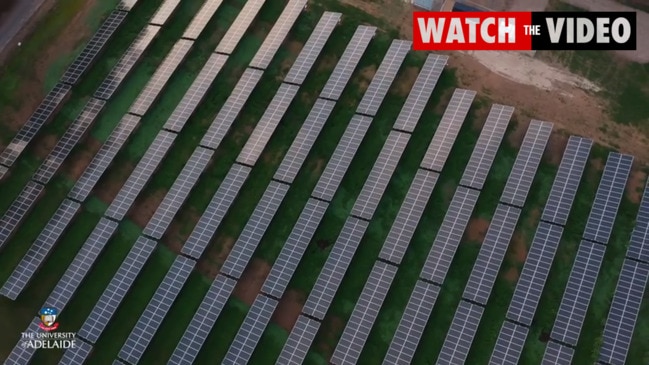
(251, 281)
(331, 328)
(289, 308)
(635, 186)
(144, 208)
(74, 167)
(215, 256)
(476, 230)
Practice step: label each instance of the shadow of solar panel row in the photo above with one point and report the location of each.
(567, 180)
(509, 345)
(18, 210)
(556, 353)
(448, 129)
(238, 28)
(22, 355)
(608, 198)
(103, 158)
(624, 311)
(534, 274)
(528, 160)
(155, 312)
(164, 12)
(461, 333)
(366, 310)
(39, 250)
(579, 290)
(201, 19)
(68, 141)
(421, 91)
(383, 78)
(298, 342)
(76, 355)
(486, 148)
(638, 248)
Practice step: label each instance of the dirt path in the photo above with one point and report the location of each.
(17, 19)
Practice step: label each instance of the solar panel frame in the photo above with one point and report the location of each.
(3, 171)
(299, 340)
(238, 28)
(556, 353)
(17, 211)
(365, 312)
(312, 48)
(638, 249)
(461, 333)
(348, 62)
(509, 345)
(383, 78)
(117, 288)
(380, 175)
(76, 355)
(39, 250)
(200, 20)
(20, 354)
(164, 12)
(127, 5)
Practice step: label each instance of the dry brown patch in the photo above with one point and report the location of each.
(555, 148)
(476, 229)
(534, 217)
(288, 309)
(448, 189)
(406, 79)
(316, 167)
(518, 248)
(516, 136)
(272, 157)
(144, 209)
(177, 233)
(332, 327)
(80, 161)
(364, 77)
(294, 48)
(251, 280)
(635, 185)
(44, 145)
(511, 275)
(211, 263)
(596, 167)
(327, 63)
(107, 189)
(396, 12)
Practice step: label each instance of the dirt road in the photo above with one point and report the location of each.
(14, 17)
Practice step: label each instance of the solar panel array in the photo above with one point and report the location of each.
(459, 337)
(277, 34)
(567, 180)
(485, 150)
(638, 248)
(413, 322)
(624, 312)
(76, 355)
(420, 93)
(20, 354)
(70, 139)
(238, 28)
(448, 129)
(509, 345)
(297, 344)
(39, 250)
(557, 354)
(380, 175)
(156, 310)
(348, 62)
(366, 310)
(334, 269)
(116, 290)
(164, 12)
(608, 198)
(578, 293)
(18, 210)
(383, 77)
(528, 160)
(250, 331)
(201, 19)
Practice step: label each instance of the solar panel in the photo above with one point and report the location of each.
(303, 142)
(94, 46)
(254, 230)
(120, 284)
(312, 48)
(76, 355)
(267, 124)
(196, 93)
(578, 292)
(229, 111)
(449, 235)
(460, 336)
(492, 252)
(42, 114)
(3, 171)
(448, 129)
(294, 248)
(334, 268)
(411, 211)
(201, 19)
(126, 5)
(157, 309)
(22, 354)
(213, 215)
(298, 342)
(81, 264)
(509, 345)
(412, 324)
(39, 250)
(348, 62)
(379, 177)
(164, 12)
(608, 198)
(485, 150)
(18, 210)
(69, 140)
(557, 354)
(277, 34)
(125, 64)
(638, 249)
(383, 77)
(534, 274)
(624, 312)
(365, 312)
(238, 28)
(250, 331)
(104, 158)
(567, 180)
(201, 324)
(527, 162)
(159, 79)
(140, 175)
(420, 93)
(342, 157)
(178, 193)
